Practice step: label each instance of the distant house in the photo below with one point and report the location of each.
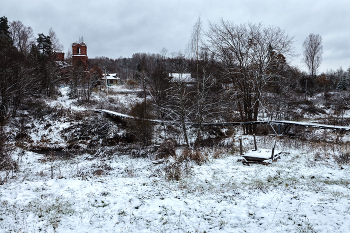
(112, 79)
(182, 77)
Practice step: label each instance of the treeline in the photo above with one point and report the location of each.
(228, 73)
(27, 67)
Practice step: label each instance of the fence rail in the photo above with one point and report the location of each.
(288, 123)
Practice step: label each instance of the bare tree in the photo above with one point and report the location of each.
(56, 46)
(195, 45)
(180, 106)
(17, 79)
(194, 54)
(22, 37)
(247, 53)
(313, 50)
(157, 83)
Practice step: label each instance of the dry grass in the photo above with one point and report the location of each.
(193, 155)
(343, 158)
(176, 169)
(219, 153)
(173, 171)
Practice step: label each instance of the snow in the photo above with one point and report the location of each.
(289, 195)
(110, 76)
(63, 101)
(261, 153)
(116, 113)
(296, 193)
(123, 89)
(181, 77)
(310, 124)
(49, 135)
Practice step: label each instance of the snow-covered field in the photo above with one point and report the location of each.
(298, 193)
(306, 190)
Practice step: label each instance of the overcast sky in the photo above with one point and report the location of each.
(120, 28)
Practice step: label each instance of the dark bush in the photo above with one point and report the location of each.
(94, 131)
(343, 158)
(166, 149)
(140, 127)
(6, 161)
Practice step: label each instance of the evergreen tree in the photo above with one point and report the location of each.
(46, 66)
(342, 84)
(44, 44)
(5, 35)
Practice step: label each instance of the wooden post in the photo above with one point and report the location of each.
(273, 150)
(51, 172)
(240, 147)
(255, 147)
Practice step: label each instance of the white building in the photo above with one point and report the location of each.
(112, 79)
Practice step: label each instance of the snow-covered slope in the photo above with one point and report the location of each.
(306, 190)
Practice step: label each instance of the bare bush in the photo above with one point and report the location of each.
(140, 151)
(173, 171)
(343, 158)
(193, 155)
(175, 168)
(218, 154)
(132, 83)
(93, 131)
(166, 149)
(6, 161)
(140, 127)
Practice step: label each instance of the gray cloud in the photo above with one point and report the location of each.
(115, 28)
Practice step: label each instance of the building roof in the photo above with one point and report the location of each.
(111, 76)
(182, 77)
(81, 44)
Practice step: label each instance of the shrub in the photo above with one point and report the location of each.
(93, 131)
(38, 108)
(173, 171)
(6, 161)
(343, 158)
(141, 128)
(132, 83)
(196, 156)
(166, 149)
(218, 154)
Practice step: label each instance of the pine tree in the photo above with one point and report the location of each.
(5, 36)
(342, 84)
(44, 44)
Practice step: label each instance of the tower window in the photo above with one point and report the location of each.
(78, 50)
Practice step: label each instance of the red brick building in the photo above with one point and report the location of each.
(79, 53)
(59, 56)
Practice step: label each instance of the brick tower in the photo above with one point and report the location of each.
(79, 51)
